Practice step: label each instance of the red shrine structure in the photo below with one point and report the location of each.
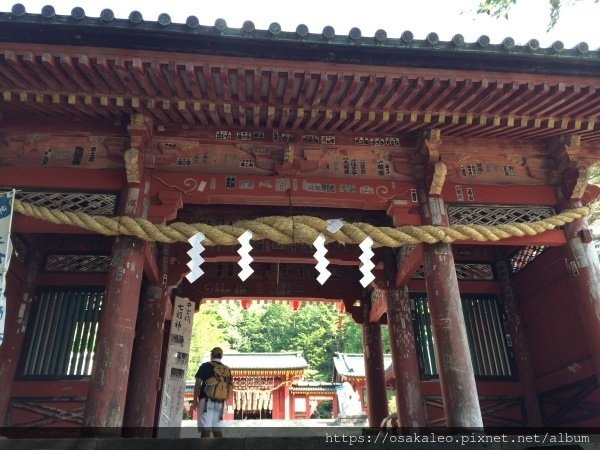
(222, 126)
(261, 384)
(270, 386)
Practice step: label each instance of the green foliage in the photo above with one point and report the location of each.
(501, 8)
(391, 402)
(325, 409)
(209, 330)
(315, 329)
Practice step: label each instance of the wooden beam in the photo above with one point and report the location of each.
(151, 269)
(71, 279)
(410, 265)
(378, 310)
(62, 178)
(234, 258)
(24, 224)
(502, 195)
(264, 193)
(465, 286)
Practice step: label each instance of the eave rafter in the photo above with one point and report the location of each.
(193, 90)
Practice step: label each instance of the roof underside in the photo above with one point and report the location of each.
(84, 70)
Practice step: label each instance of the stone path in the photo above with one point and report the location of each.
(275, 428)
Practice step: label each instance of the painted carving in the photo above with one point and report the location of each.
(439, 175)
(575, 182)
(134, 165)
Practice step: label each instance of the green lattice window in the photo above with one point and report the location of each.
(61, 332)
(491, 352)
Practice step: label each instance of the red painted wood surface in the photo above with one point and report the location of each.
(520, 346)
(144, 378)
(62, 178)
(461, 405)
(499, 195)
(584, 275)
(410, 265)
(552, 325)
(409, 400)
(105, 407)
(374, 370)
(19, 295)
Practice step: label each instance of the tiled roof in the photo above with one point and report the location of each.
(353, 364)
(219, 39)
(300, 387)
(265, 361)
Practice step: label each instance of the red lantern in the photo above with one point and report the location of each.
(295, 304)
(246, 303)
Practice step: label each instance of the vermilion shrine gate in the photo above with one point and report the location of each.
(191, 123)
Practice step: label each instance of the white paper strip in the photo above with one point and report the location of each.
(196, 259)
(322, 262)
(244, 252)
(334, 225)
(367, 264)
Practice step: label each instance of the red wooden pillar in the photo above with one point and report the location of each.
(17, 313)
(409, 401)
(287, 405)
(520, 348)
(457, 380)
(144, 378)
(334, 407)
(276, 412)
(105, 406)
(374, 369)
(584, 267)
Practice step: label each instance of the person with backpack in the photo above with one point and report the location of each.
(213, 387)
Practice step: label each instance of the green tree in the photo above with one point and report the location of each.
(314, 329)
(209, 330)
(501, 8)
(352, 337)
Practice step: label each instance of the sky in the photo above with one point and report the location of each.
(528, 19)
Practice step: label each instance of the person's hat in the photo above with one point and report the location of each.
(217, 352)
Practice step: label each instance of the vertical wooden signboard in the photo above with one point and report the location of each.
(171, 403)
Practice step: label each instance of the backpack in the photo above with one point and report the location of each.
(219, 386)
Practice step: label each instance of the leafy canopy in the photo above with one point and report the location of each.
(501, 8)
(316, 330)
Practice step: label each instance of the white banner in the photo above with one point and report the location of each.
(172, 399)
(6, 208)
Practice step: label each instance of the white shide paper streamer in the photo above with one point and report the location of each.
(196, 259)
(244, 252)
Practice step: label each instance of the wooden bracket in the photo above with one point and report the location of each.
(435, 177)
(429, 154)
(428, 146)
(574, 183)
(134, 165)
(564, 151)
(288, 154)
(140, 130)
(170, 203)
